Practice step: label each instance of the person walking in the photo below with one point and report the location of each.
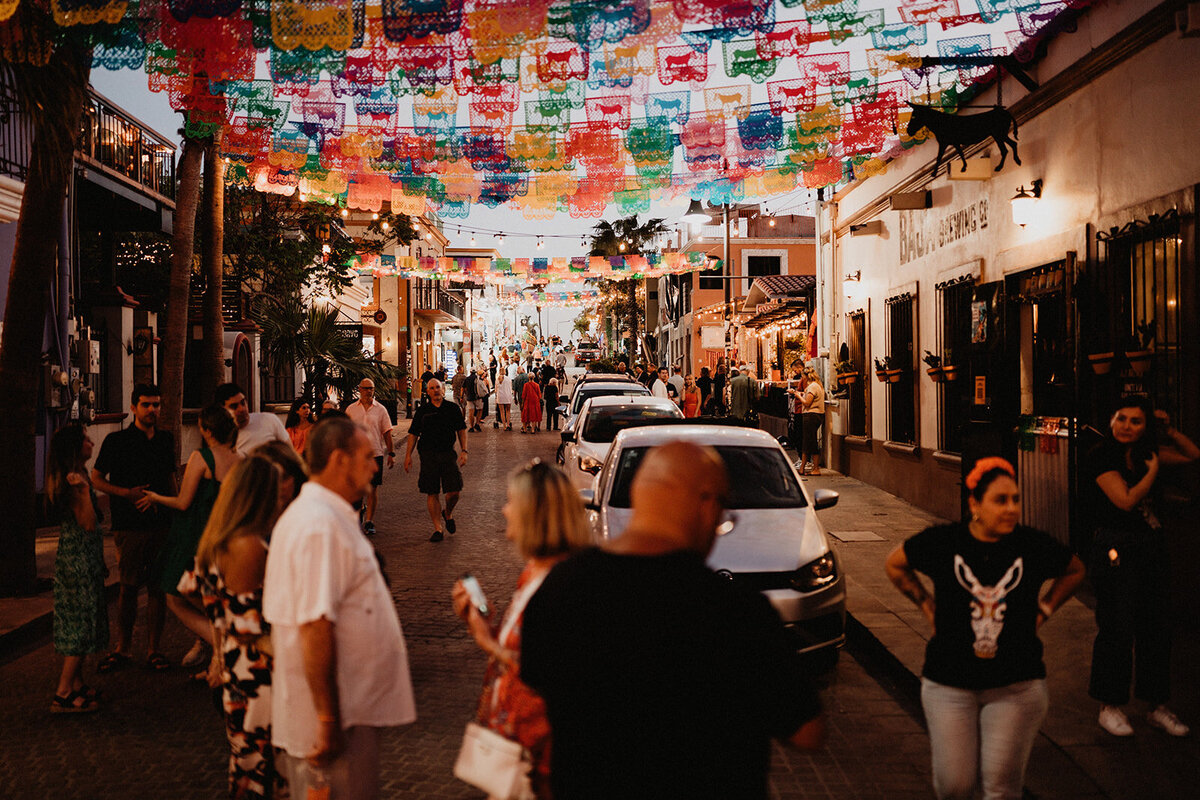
(1130, 567)
(130, 461)
(299, 422)
(531, 406)
(227, 577)
(662, 679)
(80, 610)
(206, 468)
(504, 400)
(341, 664)
(983, 686)
(375, 421)
(254, 428)
(690, 398)
(551, 399)
(544, 520)
(432, 433)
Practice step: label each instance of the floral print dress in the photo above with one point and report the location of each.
(507, 705)
(246, 693)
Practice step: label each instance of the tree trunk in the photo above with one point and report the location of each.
(175, 334)
(53, 96)
(212, 353)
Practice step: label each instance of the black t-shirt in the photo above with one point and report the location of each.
(129, 458)
(661, 679)
(426, 377)
(436, 426)
(987, 595)
(1109, 456)
(705, 385)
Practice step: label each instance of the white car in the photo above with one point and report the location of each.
(600, 420)
(771, 540)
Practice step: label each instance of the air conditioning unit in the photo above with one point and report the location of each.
(1187, 20)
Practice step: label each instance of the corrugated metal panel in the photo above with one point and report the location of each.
(1045, 481)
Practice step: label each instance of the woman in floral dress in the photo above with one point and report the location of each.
(228, 576)
(544, 519)
(80, 613)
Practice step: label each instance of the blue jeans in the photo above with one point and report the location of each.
(984, 734)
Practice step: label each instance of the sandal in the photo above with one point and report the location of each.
(112, 662)
(91, 693)
(158, 662)
(74, 703)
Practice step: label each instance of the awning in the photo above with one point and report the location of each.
(775, 299)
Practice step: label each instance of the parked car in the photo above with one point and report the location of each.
(772, 539)
(585, 353)
(588, 387)
(600, 420)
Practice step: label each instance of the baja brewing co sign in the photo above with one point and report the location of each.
(921, 232)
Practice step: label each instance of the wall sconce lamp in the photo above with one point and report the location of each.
(851, 282)
(1025, 201)
(854, 276)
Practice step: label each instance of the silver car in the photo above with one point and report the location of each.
(600, 420)
(771, 540)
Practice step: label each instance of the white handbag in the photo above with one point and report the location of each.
(490, 762)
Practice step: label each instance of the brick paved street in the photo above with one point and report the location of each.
(159, 735)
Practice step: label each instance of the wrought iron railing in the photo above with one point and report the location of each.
(429, 297)
(16, 132)
(117, 141)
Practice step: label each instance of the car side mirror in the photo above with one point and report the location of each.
(824, 498)
(588, 496)
(568, 436)
(561, 409)
(562, 398)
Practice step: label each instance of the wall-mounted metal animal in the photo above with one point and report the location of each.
(962, 130)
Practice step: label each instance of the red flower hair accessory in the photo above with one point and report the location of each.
(986, 465)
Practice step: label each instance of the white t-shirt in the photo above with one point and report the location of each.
(321, 566)
(263, 427)
(658, 388)
(504, 391)
(677, 381)
(375, 422)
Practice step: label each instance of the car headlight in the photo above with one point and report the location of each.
(815, 574)
(589, 465)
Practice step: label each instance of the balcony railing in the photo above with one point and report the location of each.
(429, 297)
(117, 141)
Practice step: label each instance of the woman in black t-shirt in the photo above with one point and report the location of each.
(983, 687)
(1129, 567)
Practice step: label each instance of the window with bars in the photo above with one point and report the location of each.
(857, 391)
(901, 393)
(954, 340)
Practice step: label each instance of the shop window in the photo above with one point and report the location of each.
(760, 266)
(1138, 294)
(901, 394)
(857, 393)
(712, 279)
(954, 340)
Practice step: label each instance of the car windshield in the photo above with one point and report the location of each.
(759, 477)
(634, 390)
(603, 424)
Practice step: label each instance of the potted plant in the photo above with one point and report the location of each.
(846, 373)
(881, 370)
(1140, 349)
(935, 370)
(893, 369)
(949, 368)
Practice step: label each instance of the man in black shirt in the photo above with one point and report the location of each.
(434, 427)
(661, 679)
(131, 461)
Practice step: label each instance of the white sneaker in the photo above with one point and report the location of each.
(1164, 719)
(1113, 720)
(197, 655)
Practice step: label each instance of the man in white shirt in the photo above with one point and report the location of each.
(375, 421)
(676, 382)
(658, 386)
(253, 429)
(341, 664)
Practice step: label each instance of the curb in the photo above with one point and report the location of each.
(34, 633)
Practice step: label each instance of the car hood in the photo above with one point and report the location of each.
(763, 540)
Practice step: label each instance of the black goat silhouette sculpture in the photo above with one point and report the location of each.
(962, 130)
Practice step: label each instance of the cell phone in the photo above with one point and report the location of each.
(478, 599)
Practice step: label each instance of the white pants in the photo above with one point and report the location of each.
(984, 734)
(354, 775)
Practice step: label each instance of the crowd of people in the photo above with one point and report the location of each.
(267, 560)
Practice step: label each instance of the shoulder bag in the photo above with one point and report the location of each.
(490, 762)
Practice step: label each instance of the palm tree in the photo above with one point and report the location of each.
(212, 353)
(627, 236)
(174, 333)
(53, 95)
(295, 334)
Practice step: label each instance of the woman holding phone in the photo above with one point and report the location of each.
(545, 521)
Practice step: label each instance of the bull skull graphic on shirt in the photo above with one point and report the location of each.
(988, 607)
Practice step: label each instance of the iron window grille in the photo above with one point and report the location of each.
(953, 343)
(900, 345)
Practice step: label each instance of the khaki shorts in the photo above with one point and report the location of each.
(137, 554)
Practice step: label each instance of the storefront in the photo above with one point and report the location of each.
(1033, 325)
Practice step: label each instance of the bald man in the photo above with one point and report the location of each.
(662, 679)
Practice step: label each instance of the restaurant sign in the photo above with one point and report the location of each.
(921, 232)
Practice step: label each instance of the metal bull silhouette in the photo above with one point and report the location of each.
(989, 606)
(959, 131)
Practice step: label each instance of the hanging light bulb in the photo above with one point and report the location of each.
(771, 222)
(345, 213)
(621, 247)
(375, 216)
(384, 225)
(472, 241)
(429, 237)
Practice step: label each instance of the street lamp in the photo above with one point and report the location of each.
(695, 214)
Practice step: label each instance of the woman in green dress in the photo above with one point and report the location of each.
(202, 477)
(80, 613)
